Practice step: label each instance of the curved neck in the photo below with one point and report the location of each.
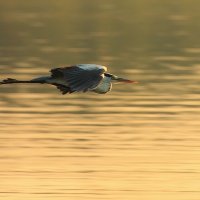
(104, 86)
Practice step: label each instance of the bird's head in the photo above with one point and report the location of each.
(119, 79)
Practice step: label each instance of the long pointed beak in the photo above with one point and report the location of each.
(123, 80)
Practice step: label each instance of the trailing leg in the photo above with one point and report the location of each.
(41, 80)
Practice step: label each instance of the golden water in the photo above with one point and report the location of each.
(136, 142)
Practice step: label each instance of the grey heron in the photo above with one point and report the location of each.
(77, 78)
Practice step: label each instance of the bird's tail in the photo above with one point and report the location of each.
(36, 80)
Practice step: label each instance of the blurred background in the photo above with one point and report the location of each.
(136, 142)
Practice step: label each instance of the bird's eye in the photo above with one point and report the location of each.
(108, 75)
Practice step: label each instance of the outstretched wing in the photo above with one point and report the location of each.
(82, 77)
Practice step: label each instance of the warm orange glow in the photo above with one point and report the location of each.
(138, 142)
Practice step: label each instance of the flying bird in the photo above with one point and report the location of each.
(77, 78)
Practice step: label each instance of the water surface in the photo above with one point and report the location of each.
(136, 142)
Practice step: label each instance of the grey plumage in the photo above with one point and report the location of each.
(77, 78)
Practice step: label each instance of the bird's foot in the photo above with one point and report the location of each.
(8, 80)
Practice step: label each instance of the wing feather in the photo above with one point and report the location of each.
(81, 77)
